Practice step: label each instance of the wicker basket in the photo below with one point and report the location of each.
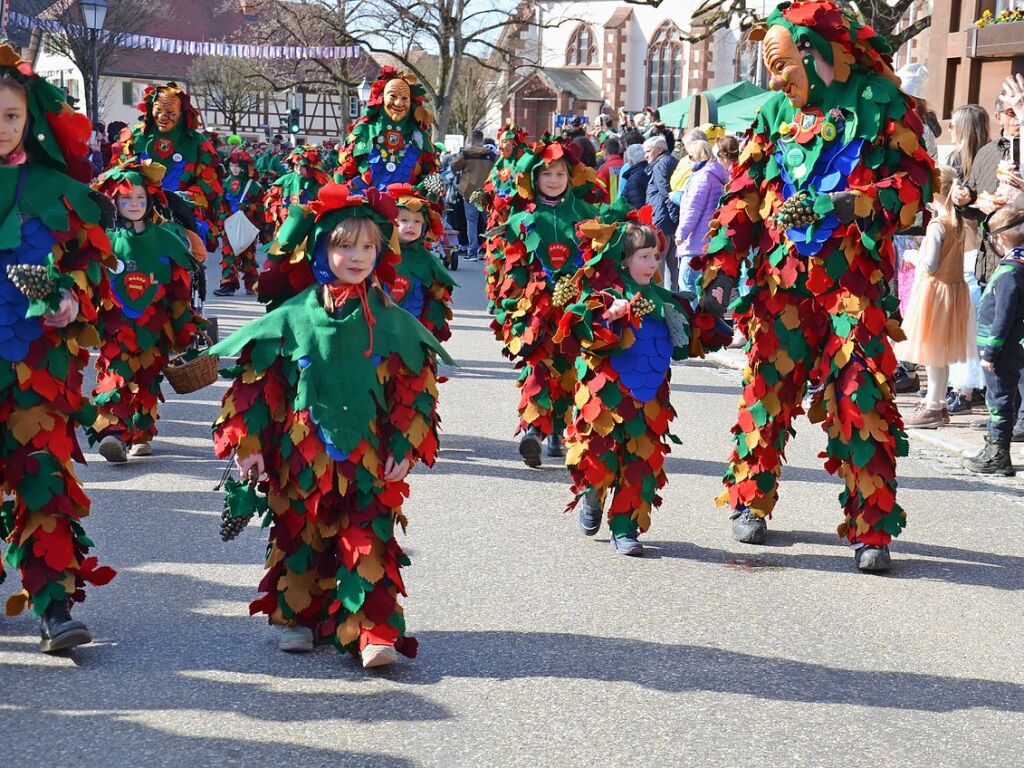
(192, 375)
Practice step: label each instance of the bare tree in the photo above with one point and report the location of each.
(885, 16)
(227, 85)
(68, 36)
(474, 96)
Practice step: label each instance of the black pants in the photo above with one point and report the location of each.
(1001, 395)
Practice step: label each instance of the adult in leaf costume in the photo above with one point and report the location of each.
(628, 331)
(833, 166)
(540, 247)
(390, 142)
(52, 251)
(171, 134)
(334, 397)
(495, 199)
(242, 192)
(423, 285)
(150, 316)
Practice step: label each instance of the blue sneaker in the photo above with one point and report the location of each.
(627, 545)
(590, 513)
(957, 403)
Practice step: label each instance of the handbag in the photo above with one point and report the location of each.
(241, 232)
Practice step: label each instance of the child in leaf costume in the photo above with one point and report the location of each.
(334, 399)
(628, 330)
(150, 316)
(171, 134)
(390, 142)
(283, 277)
(833, 167)
(52, 251)
(423, 285)
(242, 192)
(540, 247)
(299, 186)
(495, 200)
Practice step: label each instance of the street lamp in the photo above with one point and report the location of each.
(94, 14)
(364, 90)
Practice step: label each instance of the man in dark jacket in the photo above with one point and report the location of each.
(660, 165)
(474, 163)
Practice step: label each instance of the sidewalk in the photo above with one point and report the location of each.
(956, 438)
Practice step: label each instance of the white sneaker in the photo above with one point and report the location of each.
(295, 639)
(141, 449)
(112, 449)
(379, 656)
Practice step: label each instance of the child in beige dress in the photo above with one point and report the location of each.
(940, 322)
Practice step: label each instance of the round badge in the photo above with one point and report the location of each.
(391, 167)
(794, 156)
(828, 131)
(176, 157)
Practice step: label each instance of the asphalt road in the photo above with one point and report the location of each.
(539, 647)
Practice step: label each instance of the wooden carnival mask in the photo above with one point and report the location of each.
(397, 99)
(794, 69)
(167, 110)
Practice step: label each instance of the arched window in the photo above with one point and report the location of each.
(582, 51)
(665, 65)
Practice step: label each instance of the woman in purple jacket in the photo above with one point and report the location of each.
(697, 203)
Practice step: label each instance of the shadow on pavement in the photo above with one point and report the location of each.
(675, 668)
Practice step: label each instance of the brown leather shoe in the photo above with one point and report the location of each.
(925, 418)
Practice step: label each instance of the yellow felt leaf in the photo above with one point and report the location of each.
(791, 317)
(297, 588)
(895, 331)
(298, 432)
(907, 214)
(642, 516)
(514, 345)
(764, 504)
(37, 520)
(417, 430)
(371, 567)
(26, 423)
(531, 412)
(604, 423)
(854, 305)
(843, 354)
(862, 205)
(741, 470)
(16, 603)
(574, 453)
(783, 362)
(348, 631)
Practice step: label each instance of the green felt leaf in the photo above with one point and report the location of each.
(39, 487)
(759, 413)
(300, 559)
(351, 589)
(842, 324)
(823, 205)
(384, 527)
(861, 451)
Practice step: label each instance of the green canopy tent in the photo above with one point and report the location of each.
(674, 113)
(738, 116)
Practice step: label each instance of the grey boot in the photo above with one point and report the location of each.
(529, 447)
(873, 559)
(590, 513)
(59, 631)
(994, 459)
(748, 527)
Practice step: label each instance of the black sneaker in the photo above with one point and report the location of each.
(873, 559)
(748, 527)
(59, 631)
(529, 447)
(994, 459)
(904, 381)
(225, 292)
(590, 513)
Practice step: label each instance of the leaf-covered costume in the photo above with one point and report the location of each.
(622, 410)
(379, 151)
(149, 318)
(539, 248)
(193, 167)
(52, 221)
(496, 201)
(326, 397)
(819, 308)
(284, 272)
(232, 264)
(423, 285)
(269, 165)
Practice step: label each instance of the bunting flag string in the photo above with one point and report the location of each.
(201, 48)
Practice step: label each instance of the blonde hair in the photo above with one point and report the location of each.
(970, 123)
(699, 150)
(351, 229)
(947, 177)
